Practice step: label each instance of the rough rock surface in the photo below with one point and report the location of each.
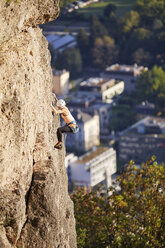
(35, 209)
(17, 15)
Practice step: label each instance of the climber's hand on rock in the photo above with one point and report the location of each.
(52, 107)
(54, 110)
(54, 96)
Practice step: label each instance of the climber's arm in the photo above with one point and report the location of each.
(57, 111)
(55, 98)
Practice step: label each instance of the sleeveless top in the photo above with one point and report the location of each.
(67, 116)
(70, 121)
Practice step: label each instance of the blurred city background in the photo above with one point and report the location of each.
(108, 62)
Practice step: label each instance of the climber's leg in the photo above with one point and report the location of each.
(60, 130)
(64, 129)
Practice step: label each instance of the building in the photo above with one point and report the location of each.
(142, 140)
(69, 158)
(88, 135)
(89, 104)
(61, 42)
(103, 89)
(60, 82)
(94, 167)
(145, 108)
(127, 73)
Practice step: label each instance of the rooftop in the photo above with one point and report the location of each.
(96, 82)
(59, 72)
(59, 41)
(145, 104)
(87, 103)
(91, 155)
(52, 37)
(126, 68)
(149, 125)
(82, 98)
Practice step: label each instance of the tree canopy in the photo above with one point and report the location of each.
(151, 86)
(97, 29)
(84, 46)
(104, 52)
(130, 20)
(109, 10)
(64, 3)
(150, 9)
(138, 35)
(70, 60)
(133, 215)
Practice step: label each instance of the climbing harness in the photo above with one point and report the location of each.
(73, 125)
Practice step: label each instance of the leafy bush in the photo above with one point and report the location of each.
(131, 217)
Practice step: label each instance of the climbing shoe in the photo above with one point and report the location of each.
(58, 145)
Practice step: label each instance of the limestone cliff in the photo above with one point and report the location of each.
(35, 209)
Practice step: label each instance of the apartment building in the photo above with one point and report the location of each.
(60, 82)
(89, 104)
(145, 108)
(142, 140)
(126, 73)
(94, 167)
(89, 132)
(103, 89)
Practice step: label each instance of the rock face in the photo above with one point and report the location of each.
(17, 15)
(35, 209)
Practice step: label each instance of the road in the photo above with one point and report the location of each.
(62, 27)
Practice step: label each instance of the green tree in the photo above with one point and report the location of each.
(150, 9)
(142, 57)
(157, 24)
(160, 56)
(122, 117)
(143, 38)
(132, 216)
(151, 86)
(64, 3)
(109, 10)
(141, 34)
(83, 40)
(105, 52)
(98, 30)
(83, 44)
(70, 59)
(130, 21)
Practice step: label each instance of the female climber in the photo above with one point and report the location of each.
(71, 125)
